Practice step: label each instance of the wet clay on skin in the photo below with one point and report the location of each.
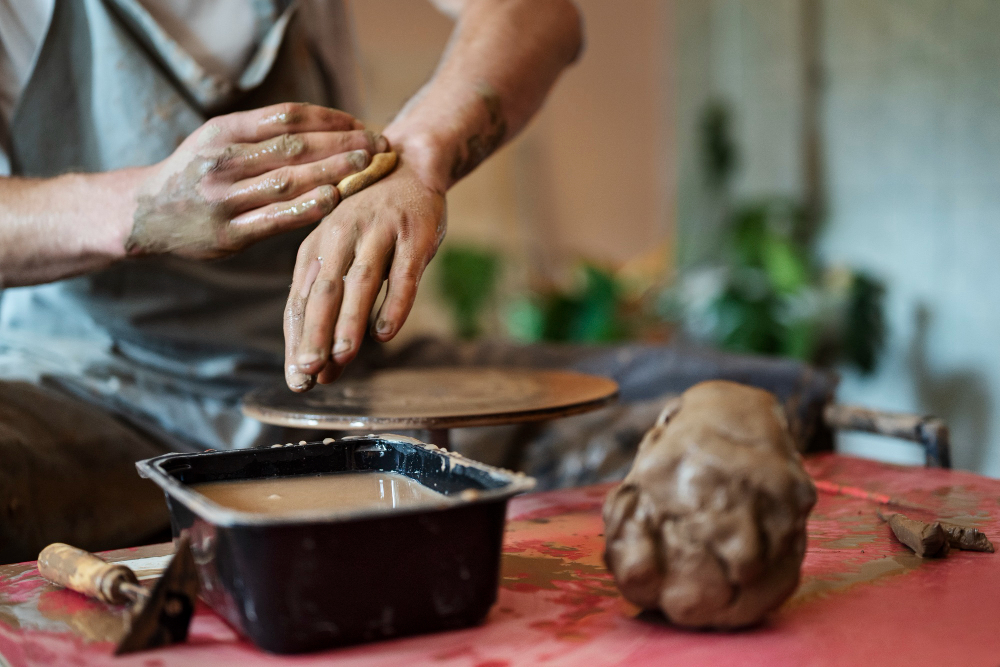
(320, 493)
(709, 526)
(178, 216)
(172, 213)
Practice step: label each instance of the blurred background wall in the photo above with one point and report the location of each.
(880, 116)
(904, 97)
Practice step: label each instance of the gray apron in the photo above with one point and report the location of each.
(167, 343)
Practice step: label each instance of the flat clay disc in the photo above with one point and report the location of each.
(433, 398)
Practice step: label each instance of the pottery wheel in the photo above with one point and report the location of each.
(433, 398)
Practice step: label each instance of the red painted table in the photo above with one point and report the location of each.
(864, 598)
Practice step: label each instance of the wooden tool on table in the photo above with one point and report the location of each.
(160, 616)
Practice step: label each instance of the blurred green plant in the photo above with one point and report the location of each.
(592, 312)
(864, 327)
(764, 291)
(468, 278)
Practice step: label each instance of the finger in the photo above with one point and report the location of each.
(272, 121)
(273, 219)
(361, 287)
(404, 277)
(307, 268)
(321, 311)
(286, 182)
(317, 295)
(248, 160)
(330, 373)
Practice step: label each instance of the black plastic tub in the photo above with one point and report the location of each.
(298, 583)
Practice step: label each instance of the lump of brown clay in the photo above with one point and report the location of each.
(928, 540)
(935, 538)
(966, 539)
(709, 526)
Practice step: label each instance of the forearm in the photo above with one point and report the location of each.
(60, 227)
(503, 58)
(238, 179)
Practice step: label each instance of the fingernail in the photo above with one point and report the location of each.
(309, 358)
(358, 159)
(381, 143)
(328, 198)
(343, 345)
(298, 381)
(383, 327)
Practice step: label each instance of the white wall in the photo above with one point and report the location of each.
(746, 53)
(910, 127)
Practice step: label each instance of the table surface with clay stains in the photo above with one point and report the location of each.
(864, 599)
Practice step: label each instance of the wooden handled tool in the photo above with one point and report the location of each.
(85, 573)
(159, 617)
(381, 165)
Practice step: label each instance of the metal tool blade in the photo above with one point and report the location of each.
(165, 617)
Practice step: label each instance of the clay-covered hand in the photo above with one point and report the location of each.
(390, 230)
(246, 176)
(709, 526)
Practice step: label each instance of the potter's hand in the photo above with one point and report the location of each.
(500, 62)
(246, 176)
(392, 229)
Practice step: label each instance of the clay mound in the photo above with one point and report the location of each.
(709, 526)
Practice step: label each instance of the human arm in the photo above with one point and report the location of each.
(235, 180)
(503, 58)
(58, 227)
